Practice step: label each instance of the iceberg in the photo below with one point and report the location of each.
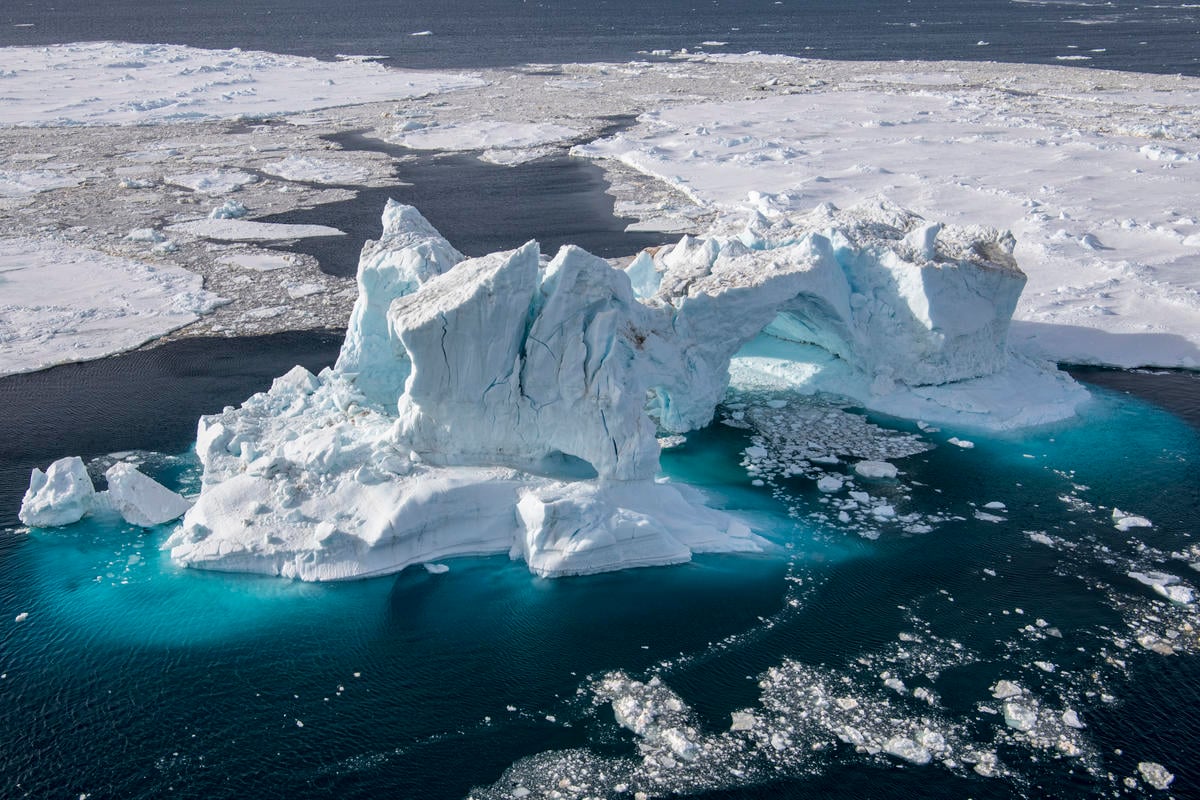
(61, 495)
(141, 500)
(512, 403)
(64, 494)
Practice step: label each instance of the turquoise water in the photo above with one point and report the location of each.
(133, 678)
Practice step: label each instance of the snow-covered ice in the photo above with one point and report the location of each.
(61, 495)
(141, 500)
(317, 170)
(61, 303)
(244, 230)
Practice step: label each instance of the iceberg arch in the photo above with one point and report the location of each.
(511, 404)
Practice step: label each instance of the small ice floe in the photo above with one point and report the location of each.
(983, 516)
(965, 444)
(1124, 521)
(24, 615)
(436, 569)
(146, 235)
(742, 721)
(1166, 585)
(830, 483)
(876, 469)
(59, 496)
(995, 505)
(1155, 774)
(230, 209)
(1005, 689)
(422, 33)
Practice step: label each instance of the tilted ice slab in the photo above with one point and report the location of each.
(506, 404)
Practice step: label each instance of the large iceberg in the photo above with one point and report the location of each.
(511, 404)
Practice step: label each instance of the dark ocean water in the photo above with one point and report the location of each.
(133, 679)
(1120, 34)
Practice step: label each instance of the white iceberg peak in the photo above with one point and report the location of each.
(61, 495)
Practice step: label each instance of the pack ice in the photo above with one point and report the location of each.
(511, 403)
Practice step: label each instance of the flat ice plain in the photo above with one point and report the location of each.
(1091, 170)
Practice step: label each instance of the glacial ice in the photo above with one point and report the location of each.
(61, 495)
(510, 404)
(64, 494)
(141, 500)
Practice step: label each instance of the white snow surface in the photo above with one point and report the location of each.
(317, 170)
(111, 83)
(141, 500)
(61, 303)
(499, 404)
(482, 134)
(245, 230)
(1103, 217)
(61, 495)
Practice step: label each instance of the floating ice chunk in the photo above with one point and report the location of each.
(1124, 521)
(876, 469)
(830, 483)
(148, 235)
(1071, 719)
(24, 615)
(963, 443)
(141, 500)
(1166, 585)
(61, 495)
(907, 749)
(230, 209)
(436, 569)
(316, 170)
(983, 516)
(1005, 689)
(1155, 774)
(995, 505)
(743, 721)
(1020, 715)
(212, 182)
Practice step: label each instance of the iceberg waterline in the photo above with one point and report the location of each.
(511, 404)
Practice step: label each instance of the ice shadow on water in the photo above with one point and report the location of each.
(479, 207)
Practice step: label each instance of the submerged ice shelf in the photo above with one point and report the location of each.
(511, 403)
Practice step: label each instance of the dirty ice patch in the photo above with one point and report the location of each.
(60, 303)
(115, 83)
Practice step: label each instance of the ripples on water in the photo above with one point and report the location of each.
(1121, 34)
